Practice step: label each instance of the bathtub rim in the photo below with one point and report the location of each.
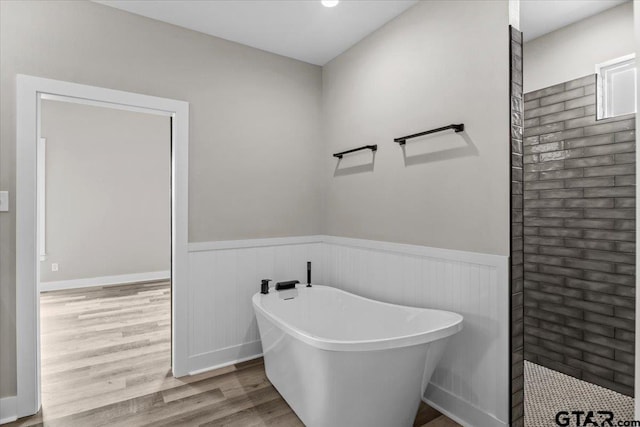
(363, 345)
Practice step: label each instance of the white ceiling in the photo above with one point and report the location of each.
(299, 29)
(310, 32)
(539, 17)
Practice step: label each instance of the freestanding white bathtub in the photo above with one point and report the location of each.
(340, 360)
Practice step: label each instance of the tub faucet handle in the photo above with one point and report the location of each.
(264, 286)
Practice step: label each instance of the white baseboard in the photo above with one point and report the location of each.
(104, 281)
(225, 364)
(224, 357)
(458, 409)
(8, 409)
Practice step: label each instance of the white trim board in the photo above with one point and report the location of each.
(418, 250)
(93, 103)
(465, 414)
(402, 248)
(104, 280)
(223, 357)
(42, 197)
(254, 243)
(28, 94)
(8, 409)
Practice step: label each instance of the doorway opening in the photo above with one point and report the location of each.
(104, 181)
(34, 251)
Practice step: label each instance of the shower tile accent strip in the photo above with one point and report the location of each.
(579, 236)
(517, 258)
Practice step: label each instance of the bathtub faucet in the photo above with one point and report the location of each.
(286, 285)
(264, 286)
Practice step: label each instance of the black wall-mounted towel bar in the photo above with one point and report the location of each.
(402, 140)
(364, 147)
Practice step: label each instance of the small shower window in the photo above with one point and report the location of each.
(617, 87)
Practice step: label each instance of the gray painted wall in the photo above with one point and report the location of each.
(254, 121)
(258, 164)
(573, 51)
(579, 217)
(442, 63)
(108, 191)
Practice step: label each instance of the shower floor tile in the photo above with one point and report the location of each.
(546, 392)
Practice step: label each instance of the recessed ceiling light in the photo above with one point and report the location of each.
(330, 3)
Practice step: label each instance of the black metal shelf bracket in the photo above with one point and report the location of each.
(364, 147)
(403, 140)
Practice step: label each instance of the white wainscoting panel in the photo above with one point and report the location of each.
(223, 278)
(471, 383)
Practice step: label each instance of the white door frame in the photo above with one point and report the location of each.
(28, 94)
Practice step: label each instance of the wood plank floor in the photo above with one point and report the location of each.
(106, 361)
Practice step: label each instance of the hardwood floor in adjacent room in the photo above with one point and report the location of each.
(106, 360)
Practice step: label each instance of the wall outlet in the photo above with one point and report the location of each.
(54, 266)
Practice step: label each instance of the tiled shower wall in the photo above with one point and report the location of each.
(579, 244)
(517, 259)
